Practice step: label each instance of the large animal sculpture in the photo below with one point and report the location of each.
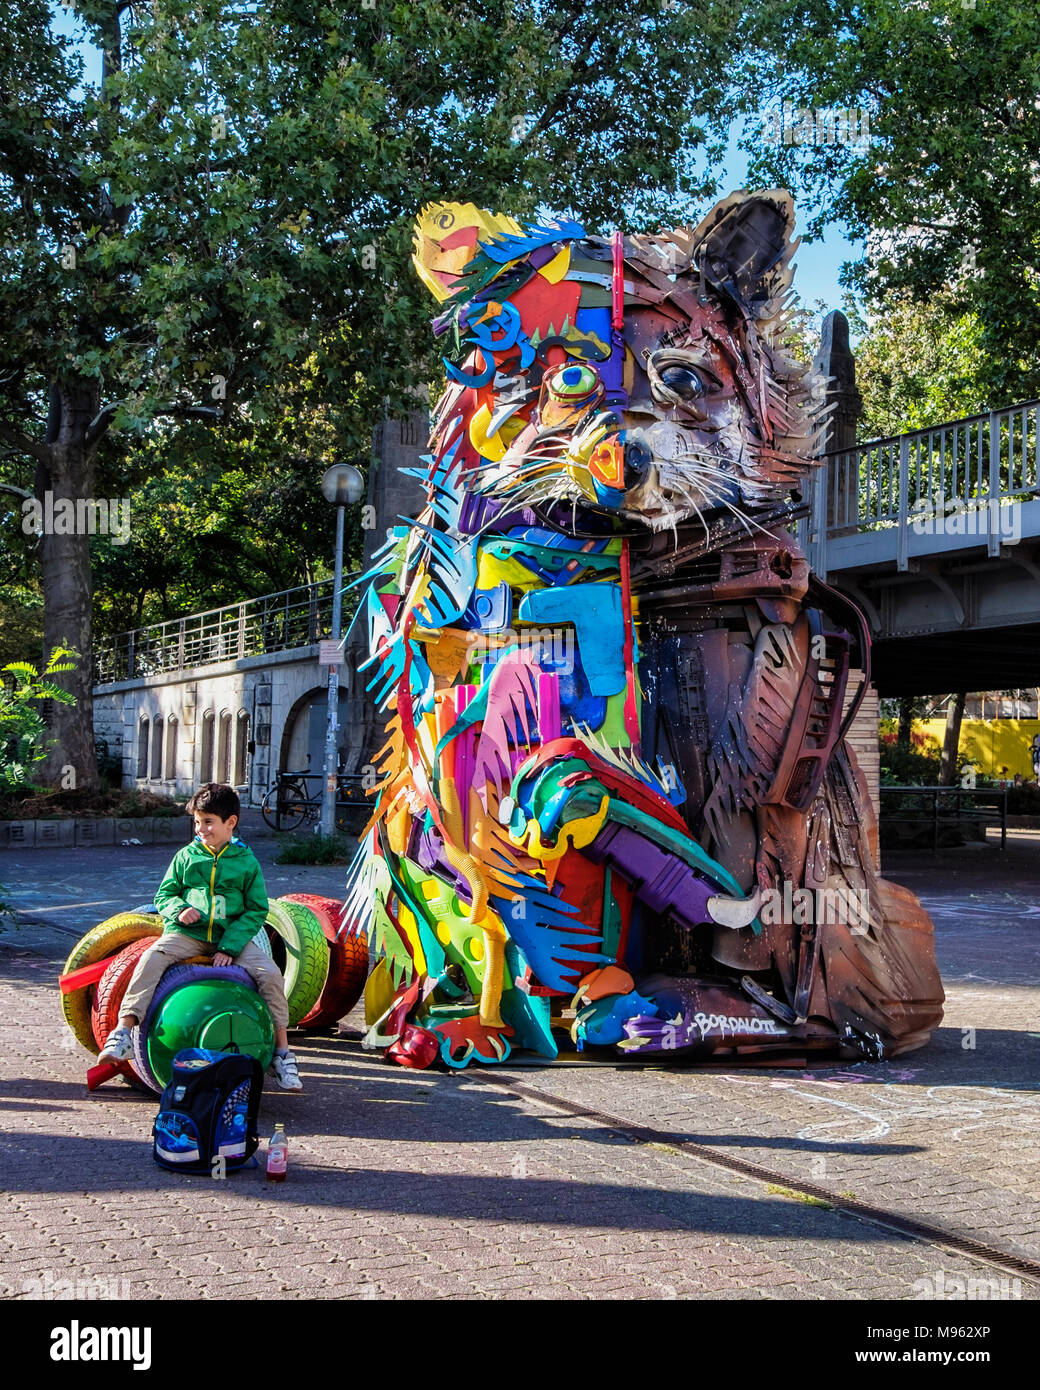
(616, 795)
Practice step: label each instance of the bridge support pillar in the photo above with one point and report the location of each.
(835, 360)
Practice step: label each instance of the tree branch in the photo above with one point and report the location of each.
(101, 421)
(17, 440)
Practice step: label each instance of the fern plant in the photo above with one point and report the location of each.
(23, 733)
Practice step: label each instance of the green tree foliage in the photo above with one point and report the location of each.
(918, 365)
(230, 212)
(945, 189)
(23, 733)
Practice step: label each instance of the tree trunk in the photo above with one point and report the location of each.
(952, 740)
(67, 587)
(906, 723)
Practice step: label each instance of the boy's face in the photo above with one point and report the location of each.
(212, 831)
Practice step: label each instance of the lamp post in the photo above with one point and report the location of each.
(342, 485)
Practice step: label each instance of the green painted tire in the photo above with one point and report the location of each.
(301, 953)
(203, 1006)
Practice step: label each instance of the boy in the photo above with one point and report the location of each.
(212, 902)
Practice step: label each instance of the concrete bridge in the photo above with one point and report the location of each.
(934, 534)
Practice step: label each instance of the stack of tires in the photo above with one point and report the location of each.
(198, 1005)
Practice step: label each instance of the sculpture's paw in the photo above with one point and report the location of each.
(649, 1033)
(465, 1040)
(604, 1021)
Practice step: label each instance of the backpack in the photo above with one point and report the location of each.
(207, 1116)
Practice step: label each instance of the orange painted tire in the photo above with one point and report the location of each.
(348, 963)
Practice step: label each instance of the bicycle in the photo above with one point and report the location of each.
(289, 803)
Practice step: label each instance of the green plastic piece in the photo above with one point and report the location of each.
(441, 915)
(612, 731)
(611, 929)
(556, 559)
(527, 1014)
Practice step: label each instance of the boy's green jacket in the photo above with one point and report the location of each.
(227, 888)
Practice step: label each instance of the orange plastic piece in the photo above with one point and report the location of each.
(608, 464)
(610, 980)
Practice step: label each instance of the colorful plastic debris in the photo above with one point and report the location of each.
(616, 755)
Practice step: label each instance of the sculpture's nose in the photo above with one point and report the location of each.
(638, 458)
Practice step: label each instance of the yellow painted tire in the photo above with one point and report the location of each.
(106, 939)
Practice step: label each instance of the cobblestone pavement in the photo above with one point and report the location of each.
(432, 1185)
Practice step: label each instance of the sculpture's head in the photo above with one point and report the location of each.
(642, 376)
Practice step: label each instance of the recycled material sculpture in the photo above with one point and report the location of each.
(616, 776)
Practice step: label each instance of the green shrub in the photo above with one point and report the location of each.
(908, 769)
(314, 849)
(1023, 801)
(23, 734)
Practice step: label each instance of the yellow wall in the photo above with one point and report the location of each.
(992, 743)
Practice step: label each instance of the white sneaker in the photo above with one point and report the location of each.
(119, 1045)
(283, 1066)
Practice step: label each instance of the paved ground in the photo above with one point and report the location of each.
(420, 1185)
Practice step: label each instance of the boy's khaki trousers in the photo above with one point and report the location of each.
(176, 946)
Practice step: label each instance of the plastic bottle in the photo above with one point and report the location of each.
(277, 1155)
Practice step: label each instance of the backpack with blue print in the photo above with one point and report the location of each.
(207, 1120)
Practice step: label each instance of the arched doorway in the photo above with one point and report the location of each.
(302, 746)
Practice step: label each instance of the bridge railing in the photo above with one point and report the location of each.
(980, 462)
(272, 623)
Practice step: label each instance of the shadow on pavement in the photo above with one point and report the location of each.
(109, 1166)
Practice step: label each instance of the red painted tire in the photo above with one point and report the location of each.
(104, 1011)
(108, 1000)
(348, 963)
(103, 942)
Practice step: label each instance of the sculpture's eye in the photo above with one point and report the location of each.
(572, 383)
(685, 382)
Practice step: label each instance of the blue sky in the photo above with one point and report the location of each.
(818, 264)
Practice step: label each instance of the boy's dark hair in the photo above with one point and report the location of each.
(216, 799)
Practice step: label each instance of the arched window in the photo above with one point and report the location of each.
(224, 747)
(156, 768)
(142, 745)
(171, 748)
(206, 748)
(241, 746)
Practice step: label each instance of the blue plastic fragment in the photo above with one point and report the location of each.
(594, 609)
(490, 610)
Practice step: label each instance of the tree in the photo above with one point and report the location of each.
(917, 365)
(237, 199)
(944, 187)
(952, 739)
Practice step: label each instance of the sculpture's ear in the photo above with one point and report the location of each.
(744, 246)
(446, 236)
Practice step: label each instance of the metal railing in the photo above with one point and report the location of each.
(271, 623)
(942, 807)
(975, 464)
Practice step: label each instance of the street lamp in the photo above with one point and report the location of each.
(343, 486)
